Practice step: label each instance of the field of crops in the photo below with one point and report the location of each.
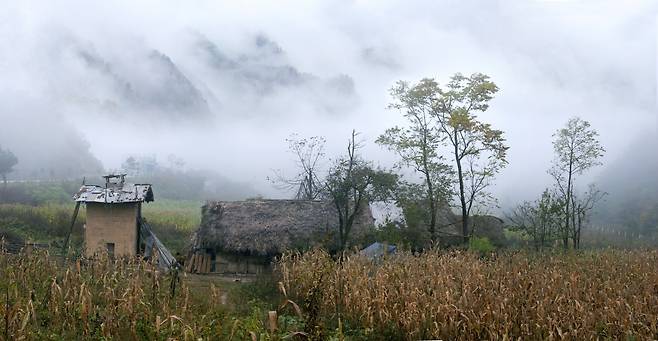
(44, 298)
(591, 295)
(604, 294)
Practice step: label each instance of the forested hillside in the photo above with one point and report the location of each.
(631, 182)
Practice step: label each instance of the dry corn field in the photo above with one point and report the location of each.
(44, 299)
(591, 295)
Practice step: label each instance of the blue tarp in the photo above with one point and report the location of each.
(377, 250)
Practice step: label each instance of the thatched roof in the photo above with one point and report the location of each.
(269, 227)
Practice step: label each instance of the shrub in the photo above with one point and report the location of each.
(481, 245)
(173, 222)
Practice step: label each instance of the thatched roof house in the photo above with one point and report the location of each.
(264, 228)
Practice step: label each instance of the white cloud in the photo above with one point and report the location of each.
(551, 59)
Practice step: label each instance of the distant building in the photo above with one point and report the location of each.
(242, 237)
(114, 215)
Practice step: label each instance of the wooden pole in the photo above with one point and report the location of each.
(68, 236)
(75, 215)
(208, 263)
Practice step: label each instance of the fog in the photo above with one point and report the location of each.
(222, 84)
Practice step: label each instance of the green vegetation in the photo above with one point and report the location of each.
(7, 162)
(481, 245)
(39, 193)
(172, 221)
(48, 223)
(456, 153)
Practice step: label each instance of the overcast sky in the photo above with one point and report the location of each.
(223, 83)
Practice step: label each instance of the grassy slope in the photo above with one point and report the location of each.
(172, 221)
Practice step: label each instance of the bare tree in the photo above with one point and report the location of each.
(577, 149)
(539, 219)
(309, 152)
(351, 184)
(581, 209)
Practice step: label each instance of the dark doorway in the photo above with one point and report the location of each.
(110, 249)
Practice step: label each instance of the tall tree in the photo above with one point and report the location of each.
(479, 152)
(7, 162)
(476, 150)
(309, 152)
(577, 149)
(417, 144)
(131, 166)
(351, 184)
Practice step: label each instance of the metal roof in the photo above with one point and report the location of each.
(115, 194)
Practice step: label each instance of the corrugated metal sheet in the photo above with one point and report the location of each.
(111, 195)
(163, 257)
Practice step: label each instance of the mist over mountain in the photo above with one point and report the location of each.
(116, 95)
(46, 144)
(160, 87)
(201, 85)
(265, 71)
(632, 187)
(223, 86)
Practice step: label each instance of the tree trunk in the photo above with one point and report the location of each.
(574, 212)
(343, 236)
(537, 242)
(565, 234)
(542, 236)
(574, 235)
(430, 191)
(309, 187)
(430, 195)
(4, 186)
(462, 195)
(580, 224)
(341, 226)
